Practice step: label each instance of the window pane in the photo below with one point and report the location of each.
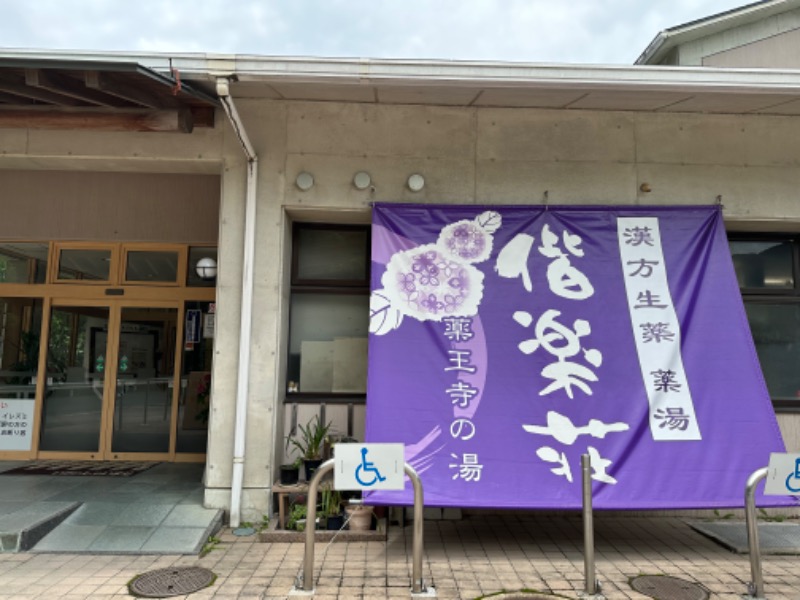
(76, 366)
(195, 399)
(23, 263)
(152, 266)
(776, 332)
(84, 264)
(328, 343)
(330, 254)
(145, 380)
(202, 274)
(763, 264)
(20, 326)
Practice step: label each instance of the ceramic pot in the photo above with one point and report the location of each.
(360, 517)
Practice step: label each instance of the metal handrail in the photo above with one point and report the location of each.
(756, 587)
(417, 583)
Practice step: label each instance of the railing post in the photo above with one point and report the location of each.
(592, 587)
(417, 584)
(311, 518)
(756, 587)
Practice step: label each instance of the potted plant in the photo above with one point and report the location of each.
(290, 473)
(297, 517)
(309, 442)
(331, 507)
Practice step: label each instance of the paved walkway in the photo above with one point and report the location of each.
(464, 559)
(158, 511)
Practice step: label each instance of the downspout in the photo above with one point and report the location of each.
(243, 375)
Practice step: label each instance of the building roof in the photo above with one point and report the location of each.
(64, 91)
(465, 83)
(680, 34)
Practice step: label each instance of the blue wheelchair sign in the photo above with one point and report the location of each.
(793, 479)
(783, 477)
(366, 473)
(368, 467)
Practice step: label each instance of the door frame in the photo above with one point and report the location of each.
(110, 381)
(116, 292)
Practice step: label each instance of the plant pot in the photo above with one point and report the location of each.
(289, 474)
(334, 522)
(360, 517)
(311, 466)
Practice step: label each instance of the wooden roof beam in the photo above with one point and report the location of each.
(97, 120)
(108, 84)
(12, 98)
(67, 86)
(39, 95)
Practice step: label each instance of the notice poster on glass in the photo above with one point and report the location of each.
(16, 423)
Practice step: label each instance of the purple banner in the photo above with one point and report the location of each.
(505, 342)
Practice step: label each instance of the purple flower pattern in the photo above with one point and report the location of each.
(428, 284)
(434, 281)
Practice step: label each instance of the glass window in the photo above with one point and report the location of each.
(764, 263)
(76, 366)
(339, 255)
(328, 346)
(766, 269)
(776, 333)
(195, 398)
(20, 328)
(329, 311)
(84, 264)
(23, 262)
(151, 266)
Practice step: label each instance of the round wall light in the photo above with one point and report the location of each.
(206, 268)
(416, 182)
(362, 180)
(304, 181)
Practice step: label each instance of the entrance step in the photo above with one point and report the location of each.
(23, 525)
(142, 528)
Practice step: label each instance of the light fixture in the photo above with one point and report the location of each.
(206, 268)
(361, 180)
(416, 182)
(304, 181)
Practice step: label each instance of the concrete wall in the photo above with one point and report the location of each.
(470, 155)
(109, 207)
(467, 155)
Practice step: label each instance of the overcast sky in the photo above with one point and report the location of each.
(561, 31)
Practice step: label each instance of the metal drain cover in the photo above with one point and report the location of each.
(665, 587)
(175, 581)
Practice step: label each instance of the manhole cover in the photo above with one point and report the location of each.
(664, 587)
(175, 581)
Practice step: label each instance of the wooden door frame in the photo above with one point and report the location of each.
(114, 294)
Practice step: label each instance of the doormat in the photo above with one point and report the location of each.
(81, 468)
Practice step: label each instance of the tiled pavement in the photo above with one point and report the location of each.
(476, 556)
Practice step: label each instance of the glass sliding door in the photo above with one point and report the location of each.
(144, 380)
(20, 324)
(72, 410)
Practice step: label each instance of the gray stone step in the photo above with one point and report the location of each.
(22, 526)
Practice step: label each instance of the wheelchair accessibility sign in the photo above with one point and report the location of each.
(368, 467)
(783, 478)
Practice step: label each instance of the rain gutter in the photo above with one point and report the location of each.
(245, 331)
